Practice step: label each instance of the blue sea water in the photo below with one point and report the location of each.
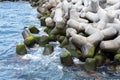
(14, 16)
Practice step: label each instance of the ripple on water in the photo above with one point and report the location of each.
(14, 16)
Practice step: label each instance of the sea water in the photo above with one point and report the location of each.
(14, 16)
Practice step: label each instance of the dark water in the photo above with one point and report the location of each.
(14, 16)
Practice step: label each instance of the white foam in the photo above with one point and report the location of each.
(30, 56)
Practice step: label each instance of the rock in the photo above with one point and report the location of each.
(37, 39)
(33, 29)
(20, 49)
(48, 49)
(42, 20)
(56, 31)
(88, 51)
(90, 64)
(108, 45)
(83, 44)
(91, 52)
(117, 58)
(49, 22)
(84, 30)
(64, 42)
(39, 16)
(42, 9)
(58, 18)
(61, 38)
(47, 30)
(53, 37)
(44, 14)
(74, 53)
(70, 32)
(66, 59)
(41, 2)
(34, 3)
(26, 33)
(34, 0)
(30, 41)
(44, 40)
(117, 68)
(100, 59)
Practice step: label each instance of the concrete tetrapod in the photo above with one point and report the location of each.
(21, 49)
